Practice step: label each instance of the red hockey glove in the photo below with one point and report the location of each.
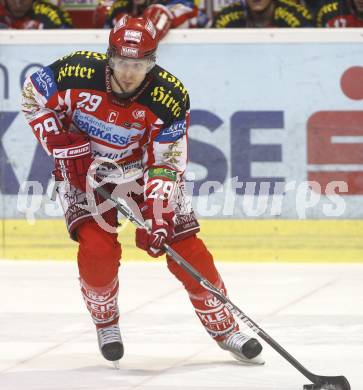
(160, 232)
(161, 17)
(72, 157)
(158, 215)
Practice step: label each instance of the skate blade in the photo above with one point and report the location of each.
(256, 361)
(116, 364)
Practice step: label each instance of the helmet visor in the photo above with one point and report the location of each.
(136, 65)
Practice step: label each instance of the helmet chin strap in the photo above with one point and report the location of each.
(117, 82)
(122, 94)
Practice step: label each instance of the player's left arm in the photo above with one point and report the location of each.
(167, 154)
(165, 161)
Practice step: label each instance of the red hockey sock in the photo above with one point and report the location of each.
(101, 302)
(217, 320)
(98, 261)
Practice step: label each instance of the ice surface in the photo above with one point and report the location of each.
(47, 340)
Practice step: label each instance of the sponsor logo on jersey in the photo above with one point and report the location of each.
(138, 114)
(166, 98)
(173, 152)
(107, 132)
(78, 71)
(86, 54)
(135, 125)
(132, 166)
(43, 81)
(172, 133)
(176, 83)
(169, 174)
(129, 52)
(133, 36)
(109, 155)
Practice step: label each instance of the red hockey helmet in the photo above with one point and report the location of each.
(133, 38)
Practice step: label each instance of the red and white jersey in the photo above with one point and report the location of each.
(147, 130)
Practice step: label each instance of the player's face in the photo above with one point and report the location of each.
(258, 5)
(19, 7)
(130, 73)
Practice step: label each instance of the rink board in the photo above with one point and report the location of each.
(228, 240)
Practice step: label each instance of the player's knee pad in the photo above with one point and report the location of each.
(195, 253)
(99, 254)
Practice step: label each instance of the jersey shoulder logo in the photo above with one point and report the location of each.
(81, 69)
(172, 133)
(44, 82)
(168, 97)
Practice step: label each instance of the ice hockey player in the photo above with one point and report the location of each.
(262, 14)
(339, 13)
(29, 14)
(123, 109)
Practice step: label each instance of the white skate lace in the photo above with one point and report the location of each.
(235, 342)
(109, 335)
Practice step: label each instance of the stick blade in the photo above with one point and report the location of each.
(329, 383)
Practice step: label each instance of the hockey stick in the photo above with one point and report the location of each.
(319, 382)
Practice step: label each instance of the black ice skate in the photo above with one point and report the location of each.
(243, 348)
(110, 343)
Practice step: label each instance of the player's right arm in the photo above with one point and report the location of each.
(42, 104)
(45, 109)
